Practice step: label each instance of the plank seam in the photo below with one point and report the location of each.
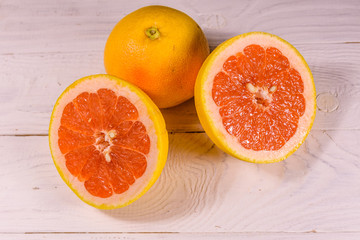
(212, 47)
(277, 232)
(171, 132)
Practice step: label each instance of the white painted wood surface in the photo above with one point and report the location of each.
(203, 193)
(183, 236)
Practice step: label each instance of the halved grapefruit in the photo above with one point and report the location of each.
(108, 141)
(255, 97)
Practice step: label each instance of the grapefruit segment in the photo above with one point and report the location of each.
(108, 140)
(71, 120)
(91, 166)
(70, 140)
(255, 97)
(88, 107)
(135, 164)
(98, 187)
(124, 111)
(107, 99)
(135, 138)
(119, 185)
(76, 159)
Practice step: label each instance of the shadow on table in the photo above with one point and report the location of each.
(187, 185)
(334, 109)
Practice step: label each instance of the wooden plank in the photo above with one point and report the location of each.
(203, 193)
(31, 83)
(52, 26)
(183, 236)
(201, 189)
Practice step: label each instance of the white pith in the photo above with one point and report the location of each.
(91, 85)
(108, 137)
(212, 110)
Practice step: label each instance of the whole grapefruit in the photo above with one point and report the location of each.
(160, 50)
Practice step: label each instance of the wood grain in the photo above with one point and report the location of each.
(183, 236)
(31, 83)
(201, 189)
(202, 193)
(51, 26)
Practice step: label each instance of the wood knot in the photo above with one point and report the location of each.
(327, 102)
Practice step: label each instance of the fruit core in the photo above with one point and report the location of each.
(260, 97)
(104, 144)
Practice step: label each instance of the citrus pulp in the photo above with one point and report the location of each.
(255, 97)
(108, 140)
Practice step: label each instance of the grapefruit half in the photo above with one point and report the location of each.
(255, 97)
(108, 141)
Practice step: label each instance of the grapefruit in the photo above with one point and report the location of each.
(160, 50)
(255, 97)
(108, 141)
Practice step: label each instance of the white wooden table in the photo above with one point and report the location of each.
(202, 193)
